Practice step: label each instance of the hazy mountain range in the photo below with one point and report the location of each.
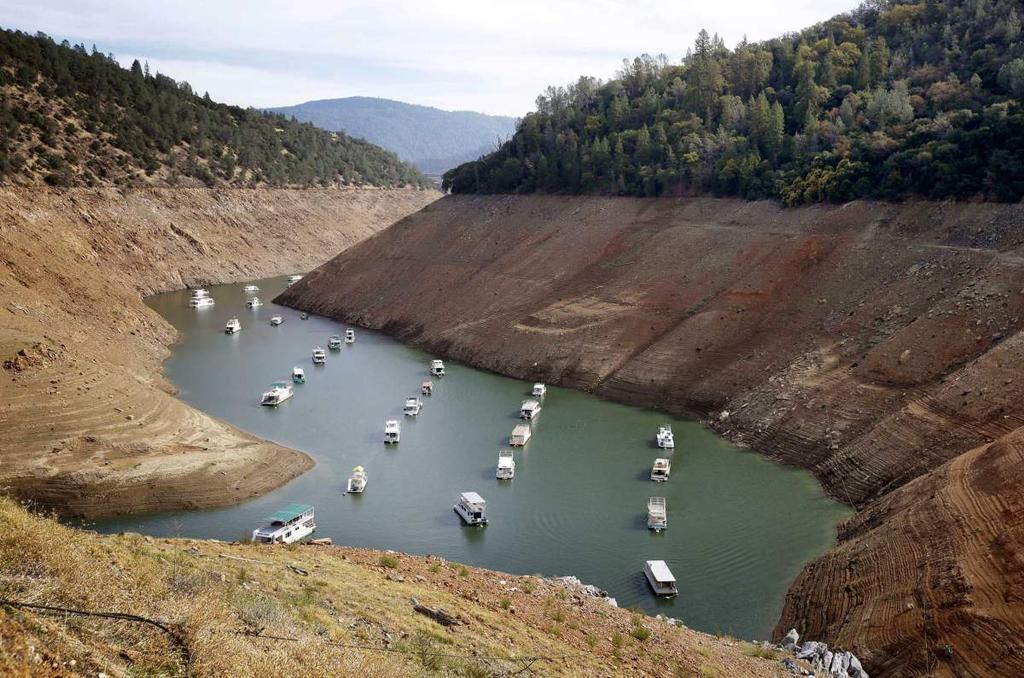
(430, 138)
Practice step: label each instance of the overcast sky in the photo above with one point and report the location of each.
(478, 55)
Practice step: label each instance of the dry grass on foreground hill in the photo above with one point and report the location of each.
(216, 595)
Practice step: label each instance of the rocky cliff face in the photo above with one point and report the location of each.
(87, 424)
(877, 345)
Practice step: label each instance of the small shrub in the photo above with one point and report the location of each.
(617, 640)
(463, 571)
(389, 562)
(435, 568)
(640, 632)
(760, 651)
(505, 603)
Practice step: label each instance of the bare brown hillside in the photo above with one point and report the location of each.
(873, 344)
(87, 423)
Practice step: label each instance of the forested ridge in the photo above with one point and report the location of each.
(74, 117)
(897, 98)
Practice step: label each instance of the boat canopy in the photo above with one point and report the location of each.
(659, 570)
(288, 513)
(471, 498)
(279, 384)
(357, 469)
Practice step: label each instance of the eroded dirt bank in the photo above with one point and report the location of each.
(88, 425)
(873, 344)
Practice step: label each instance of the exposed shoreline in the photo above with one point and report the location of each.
(876, 345)
(89, 426)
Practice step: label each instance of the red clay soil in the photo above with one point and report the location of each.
(872, 344)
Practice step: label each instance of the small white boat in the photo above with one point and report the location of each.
(276, 320)
(199, 293)
(427, 388)
(412, 406)
(657, 515)
(665, 439)
(357, 481)
(304, 316)
(286, 525)
(472, 508)
(200, 302)
(319, 357)
(506, 465)
(437, 368)
(660, 578)
(392, 432)
(334, 342)
(529, 410)
(350, 336)
(279, 392)
(539, 390)
(251, 288)
(520, 435)
(298, 375)
(233, 326)
(292, 279)
(254, 303)
(660, 471)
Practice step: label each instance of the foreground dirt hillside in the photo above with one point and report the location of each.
(877, 345)
(87, 423)
(244, 610)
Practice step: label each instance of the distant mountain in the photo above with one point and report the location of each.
(430, 138)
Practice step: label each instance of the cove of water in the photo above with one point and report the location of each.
(739, 527)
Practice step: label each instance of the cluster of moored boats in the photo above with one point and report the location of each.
(296, 521)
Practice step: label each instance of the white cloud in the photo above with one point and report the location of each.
(457, 54)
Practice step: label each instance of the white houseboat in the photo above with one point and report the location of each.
(292, 279)
(437, 368)
(286, 525)
(276, 320)
(660, 470)
(520, 435)
(279, 392)
(298, 375)
(350, 336)
(412, 407)
(199, 293)
(251, 288)
(539, 390)
(334, 342)
(200, 302)
(254, 303)
(657, 515)
(506, 465)
(529, 410)
(319, 357)
(233, 326)
(660, 578)
(665, 439)
(357, 481)
(472, 508)
(392, 432)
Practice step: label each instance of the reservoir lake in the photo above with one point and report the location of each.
(739, 526)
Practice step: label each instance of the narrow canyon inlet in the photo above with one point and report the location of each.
(739, 527)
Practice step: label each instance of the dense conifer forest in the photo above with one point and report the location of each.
(74, 117)
(898, 98)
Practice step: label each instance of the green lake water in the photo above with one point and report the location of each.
(739, 527)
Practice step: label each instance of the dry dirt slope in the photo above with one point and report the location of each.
(87, 423)
(347, 612)
(869, 343)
